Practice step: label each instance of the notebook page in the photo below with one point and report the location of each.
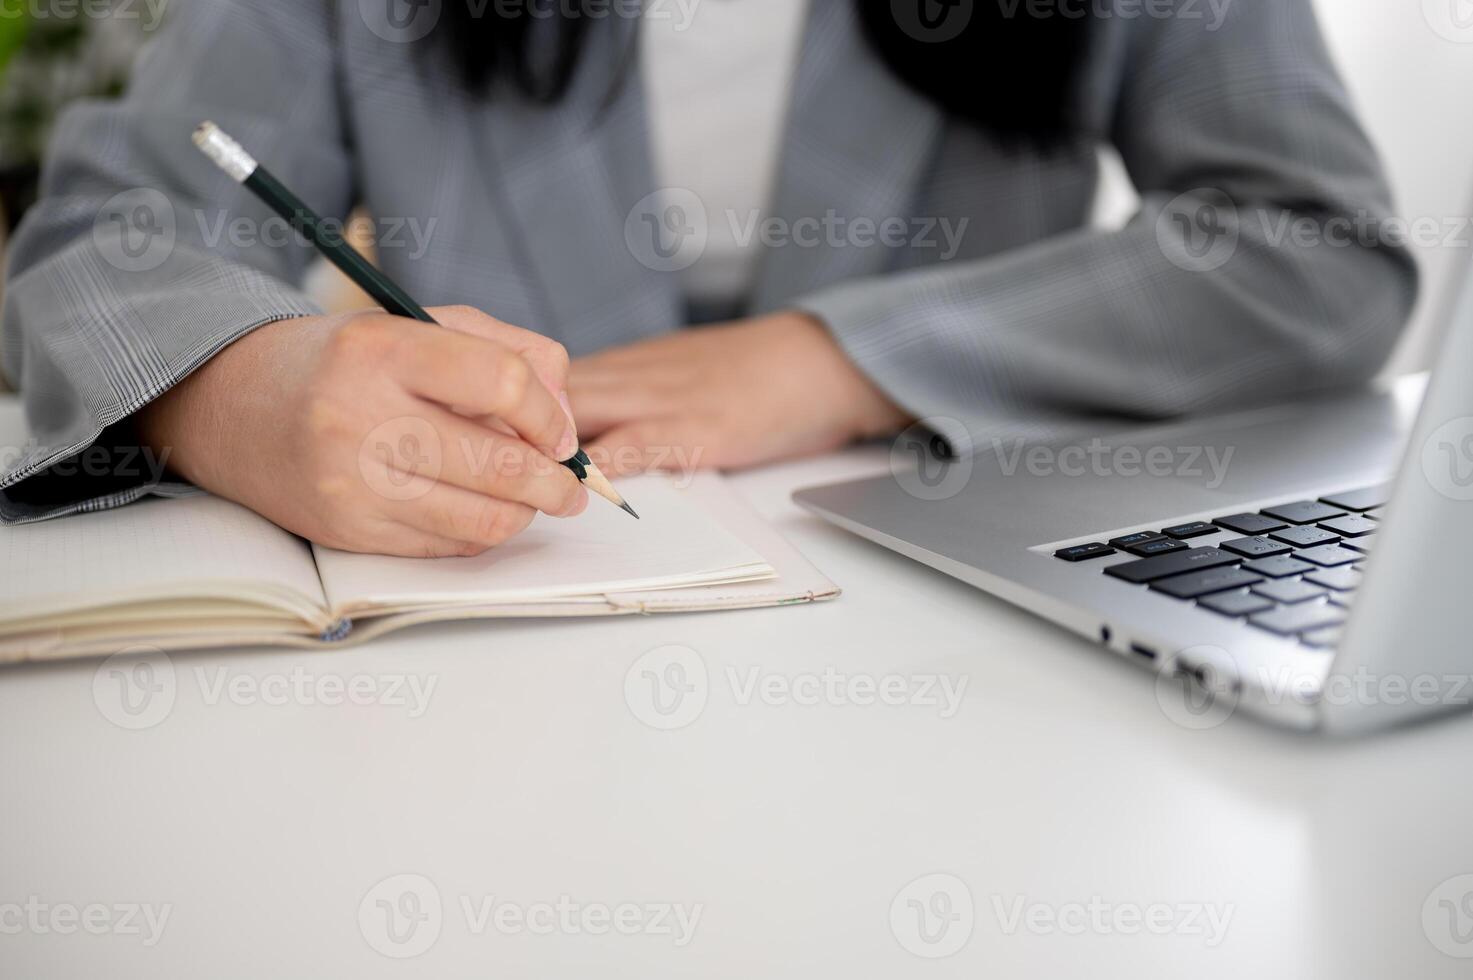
(675, 543)
(797, 579)
(156, 548)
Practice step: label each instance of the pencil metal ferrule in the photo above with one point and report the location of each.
(227, 154)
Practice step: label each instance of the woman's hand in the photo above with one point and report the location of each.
(376, 433)
(726, 396)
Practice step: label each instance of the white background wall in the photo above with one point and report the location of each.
(1409, 67)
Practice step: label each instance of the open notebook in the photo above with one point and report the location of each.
(199, 571)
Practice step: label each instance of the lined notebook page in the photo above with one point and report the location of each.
(156, 548)
(675, 543)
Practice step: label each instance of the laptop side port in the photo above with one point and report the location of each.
(1142, 650)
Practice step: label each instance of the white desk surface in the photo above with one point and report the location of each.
(1060, 798)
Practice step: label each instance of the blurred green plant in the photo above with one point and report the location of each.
(13, 25)
(50, 57)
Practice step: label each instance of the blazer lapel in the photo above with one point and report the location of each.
(570, 175)
(577, 176)
(855, 145)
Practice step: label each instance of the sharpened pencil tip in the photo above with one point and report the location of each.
(597, 483)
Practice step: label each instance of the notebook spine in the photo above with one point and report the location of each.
(337, 631)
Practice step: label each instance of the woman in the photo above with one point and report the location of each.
(886, 204)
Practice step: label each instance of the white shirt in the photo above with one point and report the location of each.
(718, 88)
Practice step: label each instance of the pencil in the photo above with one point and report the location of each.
(230, 157)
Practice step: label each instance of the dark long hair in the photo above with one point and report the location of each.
(992, 63)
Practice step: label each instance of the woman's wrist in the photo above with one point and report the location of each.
(195, 421)
(867, 411)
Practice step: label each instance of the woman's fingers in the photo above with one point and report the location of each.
(402, 541)
(446, 512)
(488, 462)
(476, 376)
(605, 399)
(668, 444)
(548, 357)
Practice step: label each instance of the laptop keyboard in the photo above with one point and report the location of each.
(1291, 569)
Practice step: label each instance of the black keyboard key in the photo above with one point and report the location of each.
(1205, 582)
(1195, 529)
(1293, 620)
(1255, 547)
(1083, 552)
(1279, 566)
(1250, 524)
(1363, 545)
(1305, 537)
(1289, 590)
(1157, 546)
(1304, 512)
(1191, 560)
(1139, 537)
(1329, 555)
(1374, 515)
(1360, 500)
(1237, 604)
(1350, 526)
(1341, 579)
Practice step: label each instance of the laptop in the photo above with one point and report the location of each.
(1308, 563)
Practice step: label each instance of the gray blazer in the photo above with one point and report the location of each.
(123, 278)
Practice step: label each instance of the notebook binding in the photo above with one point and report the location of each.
(337, 631)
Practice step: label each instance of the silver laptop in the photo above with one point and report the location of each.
(1309, 563)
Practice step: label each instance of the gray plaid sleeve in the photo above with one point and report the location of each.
(1236, 137)
(131, 270)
